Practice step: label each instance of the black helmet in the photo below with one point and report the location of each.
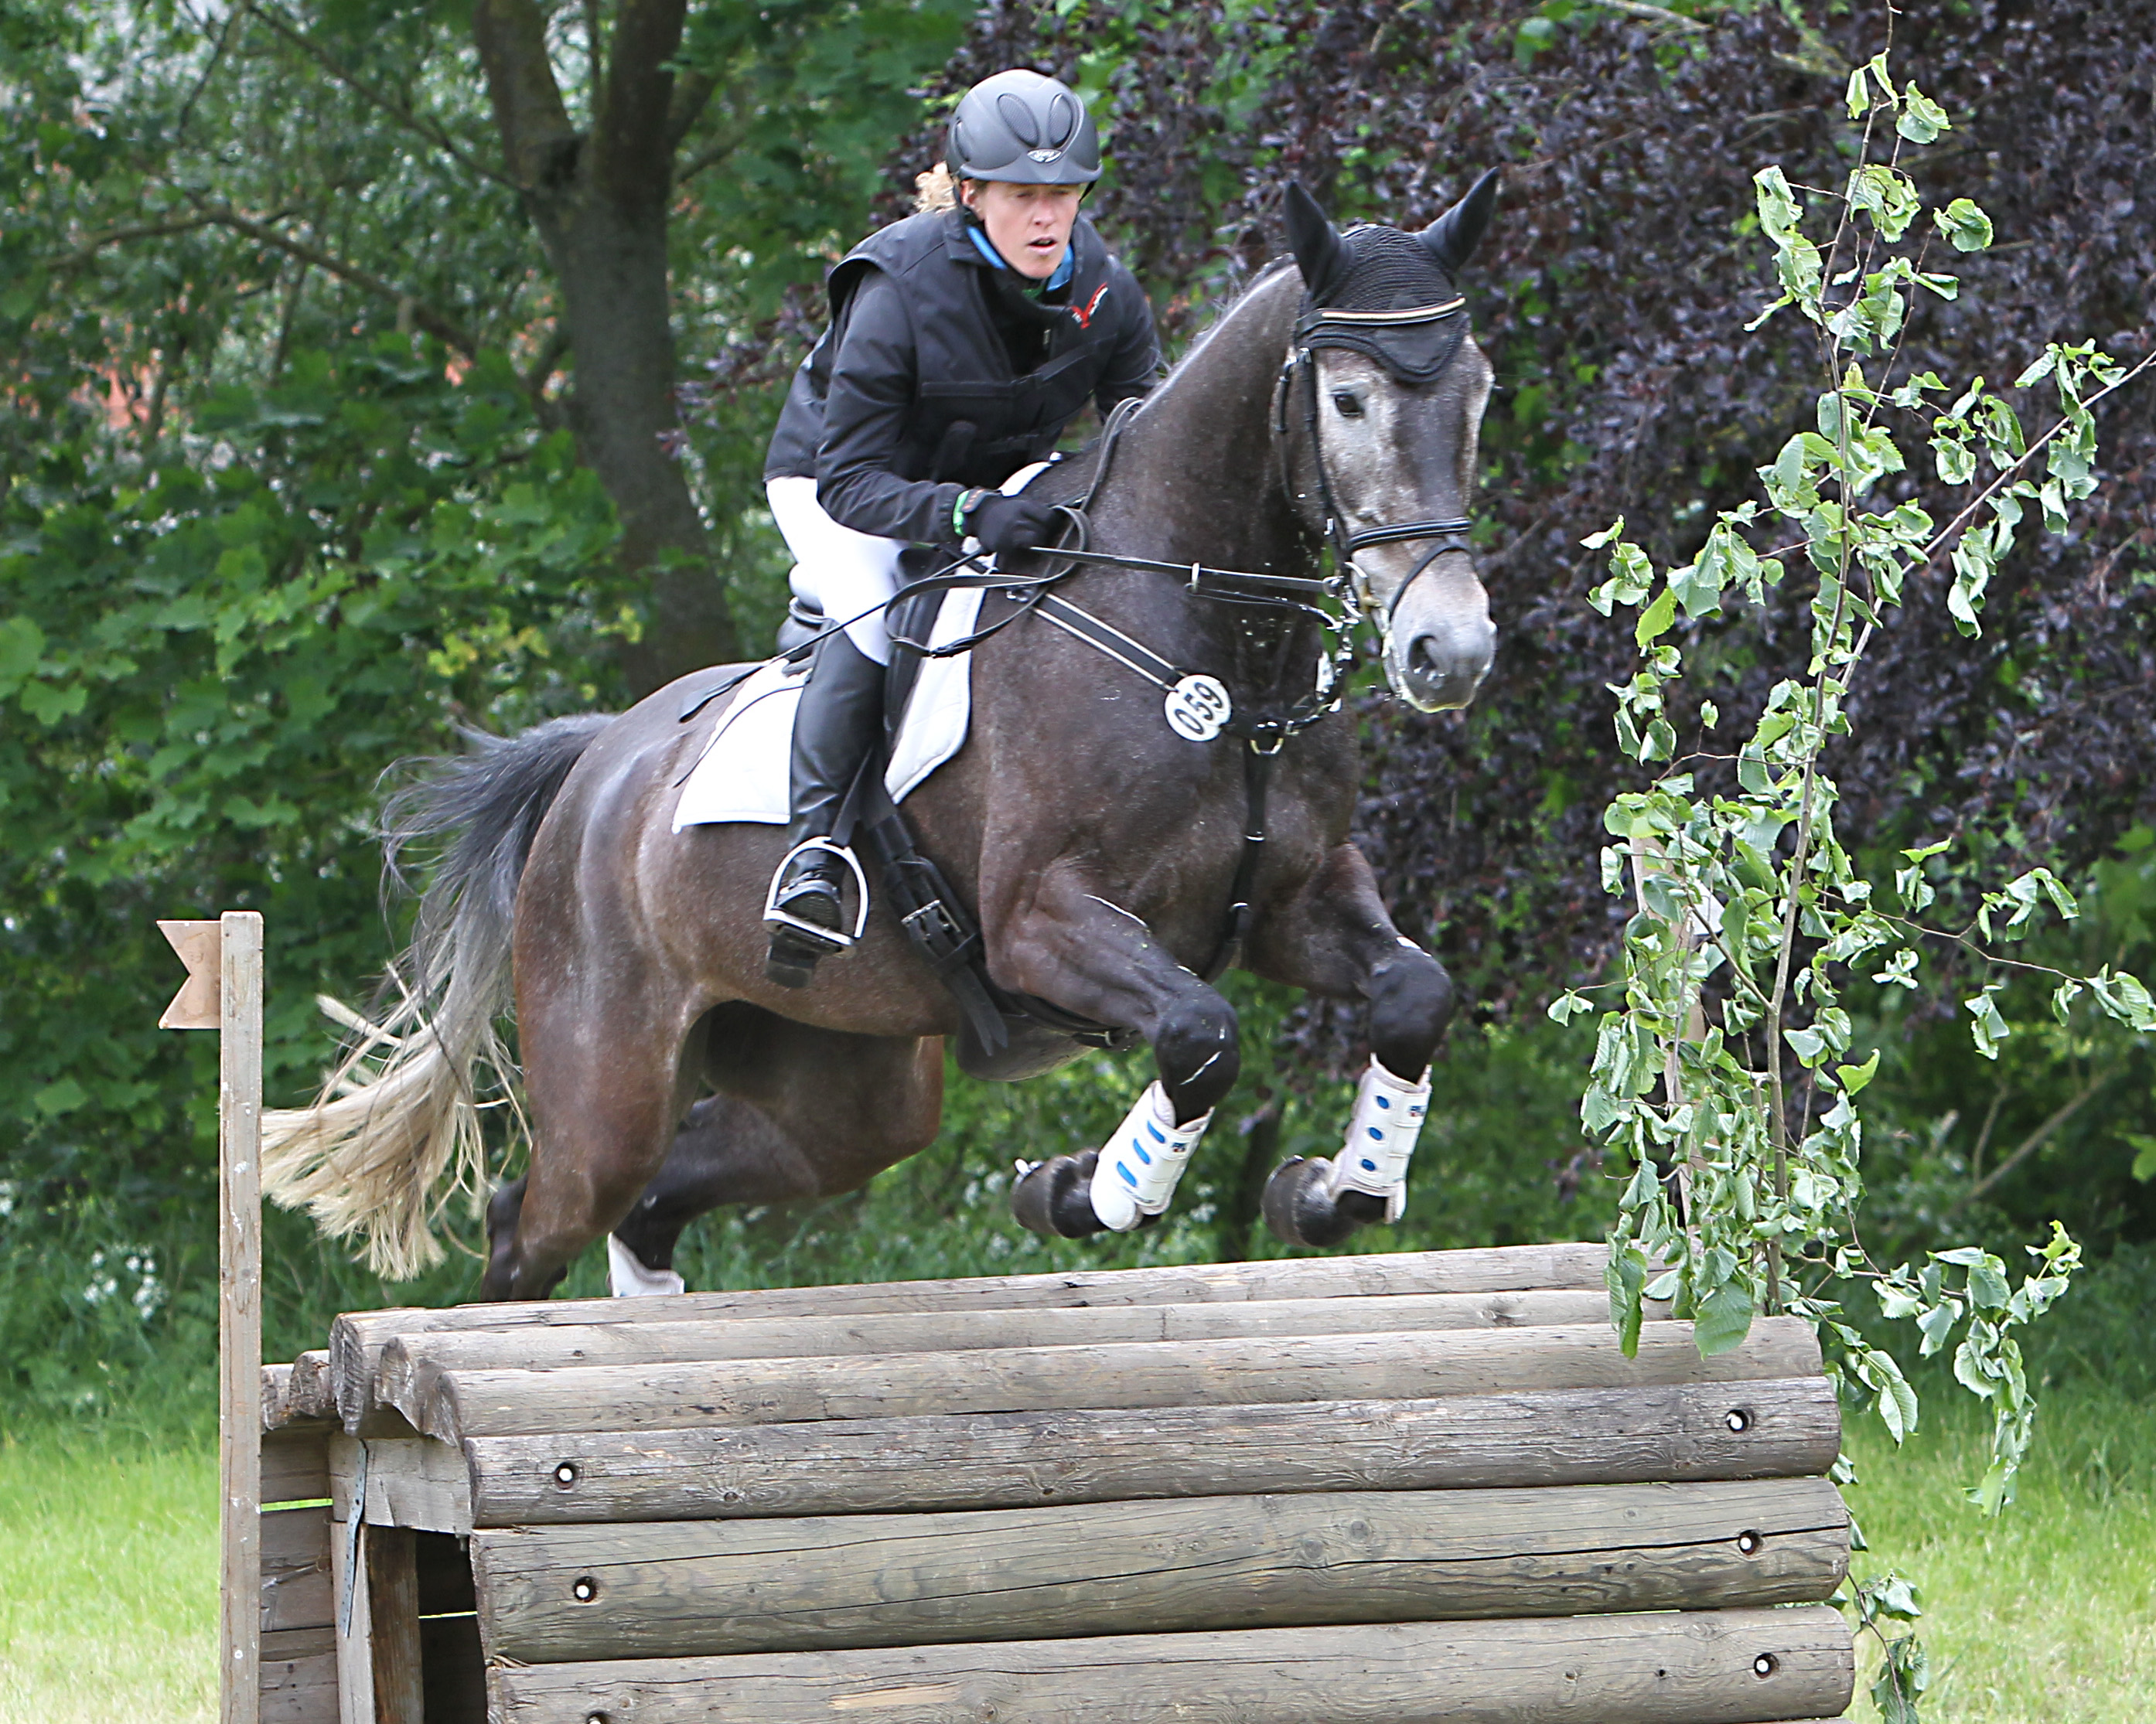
(1020, 126)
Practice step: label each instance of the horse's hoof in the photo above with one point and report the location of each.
(1054, 1198)
(1299, 1212)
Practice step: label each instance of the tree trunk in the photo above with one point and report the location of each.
(599, 202)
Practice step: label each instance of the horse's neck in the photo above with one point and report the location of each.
(1197, 478)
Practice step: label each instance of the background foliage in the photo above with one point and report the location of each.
(267, 525)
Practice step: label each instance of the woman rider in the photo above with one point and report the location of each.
(962, 341)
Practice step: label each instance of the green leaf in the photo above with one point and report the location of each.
(55, 1099)
(1722, 1320)
(2144, 1156)
(1965, 224)
(1625, 1276)
(1987, 1028)
(1655, 621)
(21, 645)
(1921, 118)
(1854, 1078)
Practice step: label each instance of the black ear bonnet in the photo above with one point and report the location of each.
(1384, 294)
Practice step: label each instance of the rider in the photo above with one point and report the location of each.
(962, 341)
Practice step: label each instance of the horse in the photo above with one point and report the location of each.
(1338, 400)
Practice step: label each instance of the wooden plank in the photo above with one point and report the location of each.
(594, 1344)
(1784, 1428)
(456, 1405)
(357, 1340)
(275, 1380)
(295, 1463)
(1696, 1668)
(240, 1312)
(295, 1549)
(411, 1481)
(690, 1588)
(298, 1676)
(393, 1593)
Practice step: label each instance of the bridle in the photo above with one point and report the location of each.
(1319, 326)
(1348, 587)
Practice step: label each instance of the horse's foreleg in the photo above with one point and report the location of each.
(1336, 939)
(1073, 948)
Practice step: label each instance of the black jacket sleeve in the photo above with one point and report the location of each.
(873, 375)
(1134, 365)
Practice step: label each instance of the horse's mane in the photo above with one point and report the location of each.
(1277, 267)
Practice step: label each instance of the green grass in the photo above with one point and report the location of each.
(108, 1542)
(108, 1578)
(2047, 1616)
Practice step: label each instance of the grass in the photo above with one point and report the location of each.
(108, 1542)
(2047, 1616)
(108, 1578)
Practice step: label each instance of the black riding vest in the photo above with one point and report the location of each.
(974, 419)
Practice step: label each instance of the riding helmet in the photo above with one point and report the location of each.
(1021, 127)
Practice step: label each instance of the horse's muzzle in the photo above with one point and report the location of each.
(1441, 640)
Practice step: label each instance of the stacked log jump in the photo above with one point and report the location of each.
(1400, 1488)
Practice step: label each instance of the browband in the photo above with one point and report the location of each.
(1412, 314)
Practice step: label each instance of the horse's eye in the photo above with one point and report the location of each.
(1348, 402)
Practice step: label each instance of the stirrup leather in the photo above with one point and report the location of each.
(825, 940)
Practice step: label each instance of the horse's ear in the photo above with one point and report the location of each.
(1453, 237)
(1313, 239)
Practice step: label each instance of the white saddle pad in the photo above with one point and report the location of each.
(743, 772)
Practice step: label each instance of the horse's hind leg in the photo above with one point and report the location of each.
(801, 1113)
(727, 1152)
(1335, 938)
(606, 1085)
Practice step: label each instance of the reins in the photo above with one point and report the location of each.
(1198, 706)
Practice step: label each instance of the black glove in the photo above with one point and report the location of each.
(1008, 526)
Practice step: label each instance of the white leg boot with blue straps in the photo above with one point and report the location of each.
(1139, 1165)
(1381, 1138)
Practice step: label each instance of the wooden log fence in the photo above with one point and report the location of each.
(1402, 1488)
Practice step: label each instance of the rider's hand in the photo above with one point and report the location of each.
(1008, 526)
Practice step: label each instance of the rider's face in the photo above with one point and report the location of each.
(1029, 226)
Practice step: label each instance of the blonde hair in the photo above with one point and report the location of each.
(934, 190)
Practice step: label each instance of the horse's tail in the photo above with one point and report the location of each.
(401, 1109)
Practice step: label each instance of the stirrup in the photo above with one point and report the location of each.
(822, 941)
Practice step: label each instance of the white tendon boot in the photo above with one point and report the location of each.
(1135, 1175)
(1381, 1138)
(627, 1278)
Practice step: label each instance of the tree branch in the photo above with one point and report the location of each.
(529, 112)
(395, 105)
(631, 135)
(713, 153)
(692, 91)
(441, 326)
(2036, 1139)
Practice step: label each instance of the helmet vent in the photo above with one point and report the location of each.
(1017, 116)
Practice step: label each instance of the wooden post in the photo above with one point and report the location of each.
(223, 992)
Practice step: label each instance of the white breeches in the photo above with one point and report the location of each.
(842, 573)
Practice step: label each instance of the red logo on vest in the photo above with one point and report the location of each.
(1086, 318)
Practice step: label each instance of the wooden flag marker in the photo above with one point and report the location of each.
(224, 993)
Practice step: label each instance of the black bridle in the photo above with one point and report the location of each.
(1321, 327)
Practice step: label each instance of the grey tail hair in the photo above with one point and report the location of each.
(403, 1109)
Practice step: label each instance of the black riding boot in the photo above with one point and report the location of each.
(840, 715)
